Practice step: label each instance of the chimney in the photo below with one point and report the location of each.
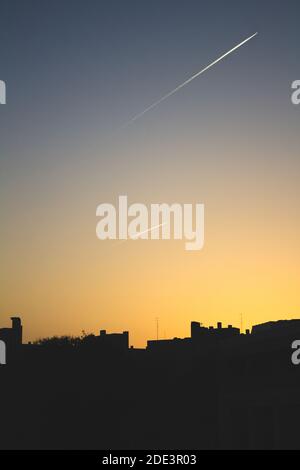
(126, 338)
(195, 326)
(219, 325)
(102, 332)
(17, 329)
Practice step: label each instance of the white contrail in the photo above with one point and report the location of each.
(134, 237)
(148, 230)
(187, 81)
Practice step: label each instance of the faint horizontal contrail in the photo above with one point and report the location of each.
(187, 81)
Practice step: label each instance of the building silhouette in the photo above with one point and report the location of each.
(201, 337)
(216, 389)
(12, 337)
(199, 332)
(113, 341)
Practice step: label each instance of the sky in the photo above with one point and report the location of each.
(75, 72)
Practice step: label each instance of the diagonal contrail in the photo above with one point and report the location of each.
(187, 81)
(148, 230)
(135, 237)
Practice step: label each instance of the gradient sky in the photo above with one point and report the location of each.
(75, 72)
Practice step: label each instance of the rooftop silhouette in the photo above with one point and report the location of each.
(218, 388)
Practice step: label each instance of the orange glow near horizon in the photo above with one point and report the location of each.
(61, 279)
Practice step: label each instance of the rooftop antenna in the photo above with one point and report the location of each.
(241, 323)
(157, 327)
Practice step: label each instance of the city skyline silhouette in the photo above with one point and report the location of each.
(217, 389)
